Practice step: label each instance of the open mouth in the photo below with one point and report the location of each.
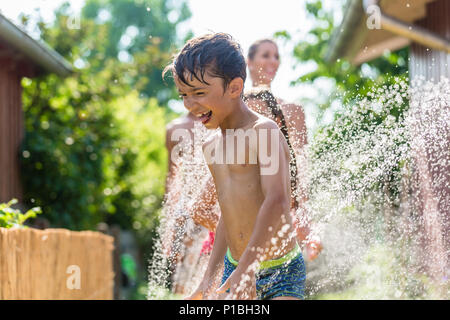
(204, 118)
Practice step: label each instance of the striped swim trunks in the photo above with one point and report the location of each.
(280, 277)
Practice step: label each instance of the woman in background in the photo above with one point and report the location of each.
(263, 61)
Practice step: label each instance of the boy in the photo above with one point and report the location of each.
(254, 233)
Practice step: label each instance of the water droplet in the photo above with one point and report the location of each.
(69, 141)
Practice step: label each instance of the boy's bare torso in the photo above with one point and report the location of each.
(238, 187)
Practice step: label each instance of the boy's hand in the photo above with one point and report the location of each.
(240, 289)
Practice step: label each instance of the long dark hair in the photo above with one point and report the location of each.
(255, 45)
(267, 96)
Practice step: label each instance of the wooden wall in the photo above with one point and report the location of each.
(11, 128)
(431, 145)
(432, 64)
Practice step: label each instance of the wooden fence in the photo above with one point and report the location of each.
(55, 264)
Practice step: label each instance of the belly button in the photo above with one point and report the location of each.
(241, 235)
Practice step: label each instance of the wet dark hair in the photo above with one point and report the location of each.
(218, 54)
(254, 47)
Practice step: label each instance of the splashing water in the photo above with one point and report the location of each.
(378, 187)
(177, 261)
(383, 221)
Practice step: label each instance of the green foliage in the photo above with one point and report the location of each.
(144, 30)
(14, 218)
(368, 136)
(142, 33)
(355, 89)
(360, 156)
(350, 81)
(137, 169)
(94, 145)
(89, 156)
(381, 276)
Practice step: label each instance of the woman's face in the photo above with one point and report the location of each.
(264, 65)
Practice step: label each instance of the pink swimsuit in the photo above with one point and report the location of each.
(208, 244)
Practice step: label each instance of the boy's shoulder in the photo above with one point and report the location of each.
(264, 123)
(261, 122)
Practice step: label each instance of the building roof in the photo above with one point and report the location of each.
(47, 59)
(354, 41)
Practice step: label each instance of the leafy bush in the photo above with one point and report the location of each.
(380, 275)
(89, 157)
(14, 218)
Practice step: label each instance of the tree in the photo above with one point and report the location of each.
(351, 82)
(144, 31)
(94, 145)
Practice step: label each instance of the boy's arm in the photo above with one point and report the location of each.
(214, 264)
(275, 205)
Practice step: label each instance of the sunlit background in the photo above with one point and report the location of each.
(94, 156)
(246, 21)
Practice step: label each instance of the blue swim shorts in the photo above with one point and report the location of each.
(275, 278)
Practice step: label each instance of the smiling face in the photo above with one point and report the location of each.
(264, 65)
(210, 103)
